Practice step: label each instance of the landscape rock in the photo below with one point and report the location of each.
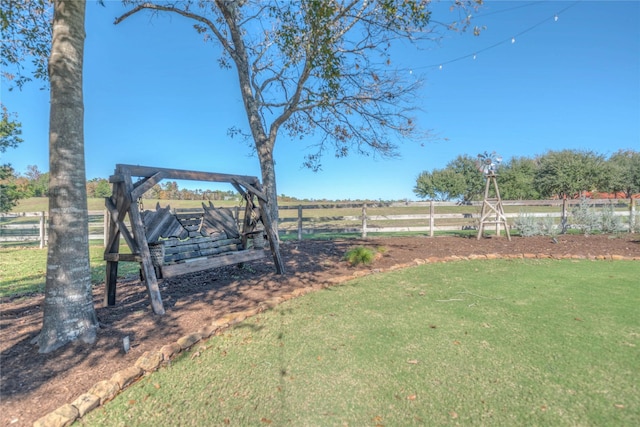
(126, 376)
(61, 417)
(150, 361)
(105, 390)
(170, 350)
(187, 341)
(86, 403)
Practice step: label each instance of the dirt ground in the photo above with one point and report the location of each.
(33, 385)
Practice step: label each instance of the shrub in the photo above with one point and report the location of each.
(609, 222)
(636, 223)
(528, 225)
(525, 223)
(359, 255)
(584, 217)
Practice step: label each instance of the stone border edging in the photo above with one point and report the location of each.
(150, 361)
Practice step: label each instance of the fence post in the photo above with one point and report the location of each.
(632, 215)
(432, 221)
(299, 222)
(563, 218)
(42, 229)
(364, 220)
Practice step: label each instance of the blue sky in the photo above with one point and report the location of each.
(154, 95)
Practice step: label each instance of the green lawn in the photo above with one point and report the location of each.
(23, 269)
(496, 343)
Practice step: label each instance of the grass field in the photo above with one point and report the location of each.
(23, 269)
(499, 343)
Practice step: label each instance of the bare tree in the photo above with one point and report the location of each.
(319, 70)
(69, 313)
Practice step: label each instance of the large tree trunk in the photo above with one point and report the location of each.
(69, 313)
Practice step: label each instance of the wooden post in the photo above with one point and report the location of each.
(137, 227)
(42, 230)
(299, 222)
(364, 220)
(112, 249)
(272, 235)
(563, 218)
(632, 215)
(431, 218)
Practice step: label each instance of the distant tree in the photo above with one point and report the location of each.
(516, 177)
(568, 173)
(170, 190)
(69, 314)
(315, 69)
(440, 185)
(38, 181)
(625, 172)
(98, 187)
(9, 190)
(466, 167)
(10, 131)
(460, 179)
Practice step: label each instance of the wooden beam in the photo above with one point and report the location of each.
(174, 270)
(145, 185)
(147, 171)
(272, 234)
(148, 271)
(116, 257)
(259, 194)
(121, 226)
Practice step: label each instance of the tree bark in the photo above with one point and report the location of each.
(69, 314)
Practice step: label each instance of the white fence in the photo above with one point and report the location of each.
(347, 218)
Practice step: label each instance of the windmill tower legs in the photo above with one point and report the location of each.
(492, 210)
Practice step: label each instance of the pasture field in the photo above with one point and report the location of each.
(499, 343)
(24, 269)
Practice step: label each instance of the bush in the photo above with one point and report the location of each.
(359, 255)
(609, 222)
(585, 217)
(528, 225)
(589, 220)
(636, 223)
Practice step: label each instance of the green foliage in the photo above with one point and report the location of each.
(625, 172)
(9, 192)
(500, 343)
(459, 180)
(609, 222)
(584, 217)
(567, 173)
(529, 225)
(10, 131)
(25, 35)
(98, 187)
(359, 255)
(636, 223)
(516, 179)
(441, 185)
(587, 219)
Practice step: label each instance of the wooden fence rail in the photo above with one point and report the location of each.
(352, 218)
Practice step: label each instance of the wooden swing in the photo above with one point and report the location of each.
(181, 243)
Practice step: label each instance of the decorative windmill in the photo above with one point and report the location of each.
(492, 210)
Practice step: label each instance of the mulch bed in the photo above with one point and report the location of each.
(33, 385)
